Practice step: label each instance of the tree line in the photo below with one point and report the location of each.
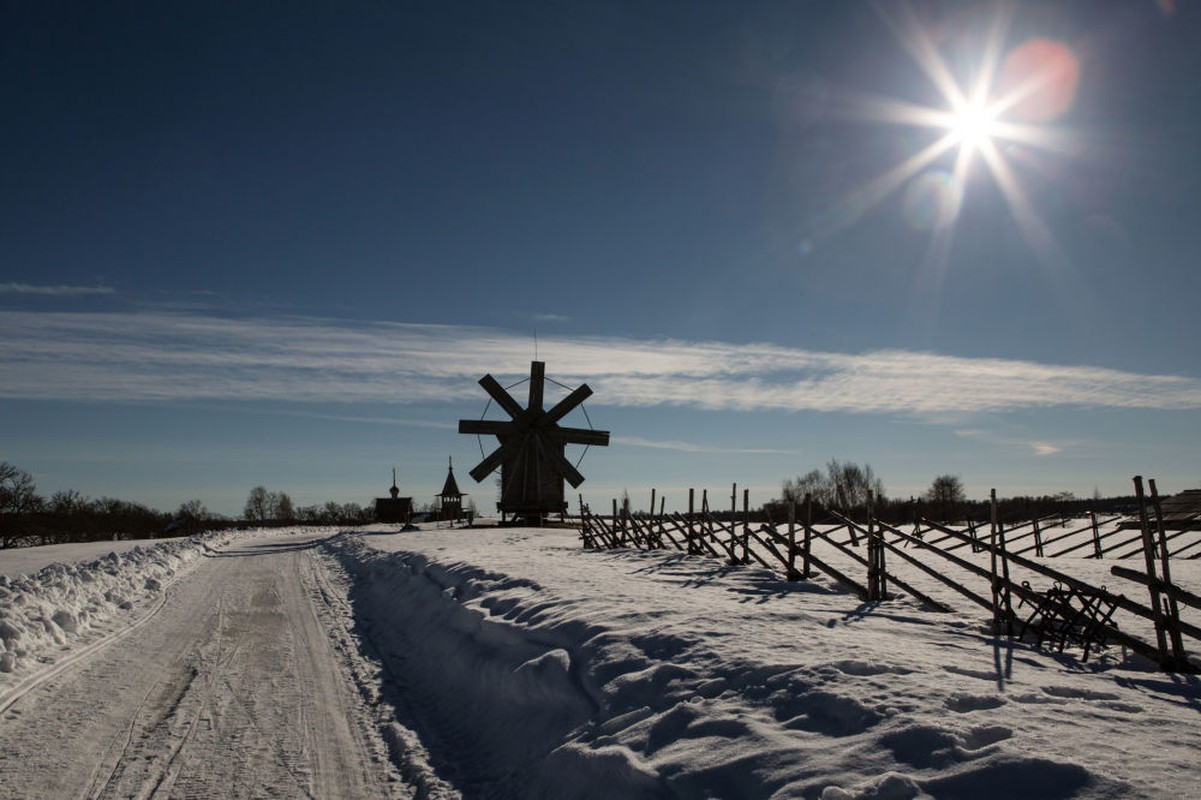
(846, 487)
(275, 508)
(28, 518)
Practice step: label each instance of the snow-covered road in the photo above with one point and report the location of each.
(236, 683)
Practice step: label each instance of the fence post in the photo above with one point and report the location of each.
(688, 534)
(1096, 534)
(1157, 614)
(1038, 535)
(746, 526)
(1173, 610)
(585, 532)
(619, 530)
(733, 521)
(706, 531)
(808, 539)
(1002, 609)
(792, 574)
(877, 587)
(627, 524)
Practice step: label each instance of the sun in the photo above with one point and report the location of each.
(973, 124)
(1005, 111)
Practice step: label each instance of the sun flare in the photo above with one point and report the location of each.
(973, 124)
(989, 123)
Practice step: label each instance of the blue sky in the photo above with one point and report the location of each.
(278, 244)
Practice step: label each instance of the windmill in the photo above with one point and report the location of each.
(530, 455)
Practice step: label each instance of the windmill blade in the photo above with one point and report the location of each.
(579, 436)
(502, 397)
(559, 464)
(537, 386)
(564, 406)
(485, 427)
(484, 468)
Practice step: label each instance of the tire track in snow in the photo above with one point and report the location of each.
(231, 688)
(83, 654)
(328, 592)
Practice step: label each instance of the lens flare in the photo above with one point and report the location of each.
(932, 201)
(1038, 80)
(1007, 104)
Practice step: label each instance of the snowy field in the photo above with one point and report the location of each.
(514, 663)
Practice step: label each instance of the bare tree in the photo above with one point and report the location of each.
(811, 483)
(258, 505)
(851, 483)
(946, 496)
(281, 507)
(68, 501)
(18, 493)
(192, 510)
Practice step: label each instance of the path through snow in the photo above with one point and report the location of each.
(231, 687)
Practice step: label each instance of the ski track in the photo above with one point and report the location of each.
(236, 685)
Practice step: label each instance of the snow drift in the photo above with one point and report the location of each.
(65, 605)
(530, 667)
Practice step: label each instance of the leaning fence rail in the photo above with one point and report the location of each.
(1070, 610)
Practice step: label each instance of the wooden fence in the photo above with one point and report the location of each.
(1070, 611)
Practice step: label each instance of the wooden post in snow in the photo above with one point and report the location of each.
(733, 521)
(808, 538)
(620, 530)
(1002, 608)
(1096, 535)
(873, 577)
(1038, 535)
(746, 526)
(792, 573)
(877, 586)
(689, 535)
(1161, 638)
(1173, 610)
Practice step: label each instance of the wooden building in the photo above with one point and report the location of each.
(394, 509)
(450, 499)
(531, 452)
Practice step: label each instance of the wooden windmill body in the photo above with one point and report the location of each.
(531, 452)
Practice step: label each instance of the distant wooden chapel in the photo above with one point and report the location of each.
(450, 499)
(395, 508)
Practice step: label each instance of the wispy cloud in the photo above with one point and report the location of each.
(26, 288)
(163, 356)
(690, 447)
(1040, 447)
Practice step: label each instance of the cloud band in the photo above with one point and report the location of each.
(165, 357)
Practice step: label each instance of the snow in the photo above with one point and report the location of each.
(62, 604)
(510, 662)
(24, 560)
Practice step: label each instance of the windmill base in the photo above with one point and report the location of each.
(529, 516)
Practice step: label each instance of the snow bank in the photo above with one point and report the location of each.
(530, 667)
(64, 605)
